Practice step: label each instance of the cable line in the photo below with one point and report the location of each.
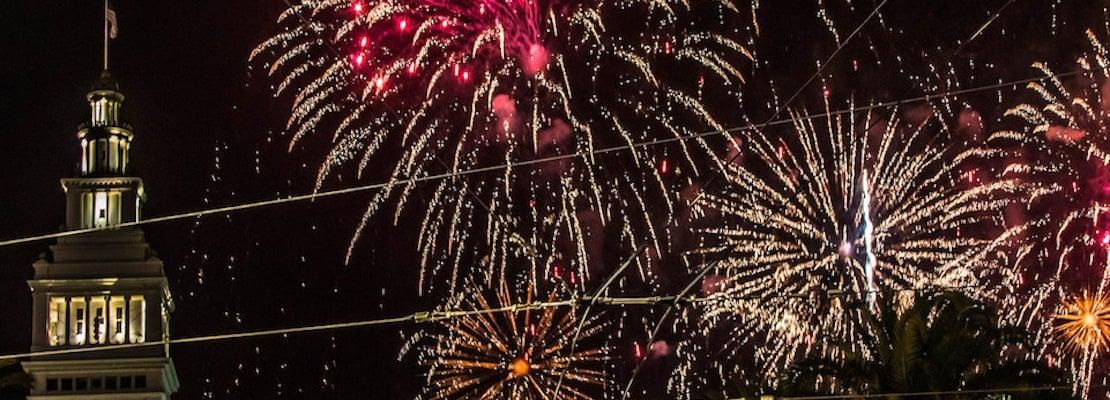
(531, 162)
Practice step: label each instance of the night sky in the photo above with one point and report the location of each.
(208, 134)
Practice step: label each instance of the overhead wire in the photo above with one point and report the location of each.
(713, 264)
(701, 192)
(1016, 389)
(432, 316)
(536, 161)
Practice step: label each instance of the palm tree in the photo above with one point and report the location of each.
(13, 381)
(942, 342)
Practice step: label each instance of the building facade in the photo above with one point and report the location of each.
(101, 302)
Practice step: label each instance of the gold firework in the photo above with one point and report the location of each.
(858, 203)
(508, 354)
(1063, 127)
(1085, 323)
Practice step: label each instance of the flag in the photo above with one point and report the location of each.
(113, 24)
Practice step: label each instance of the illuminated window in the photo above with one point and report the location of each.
(100, 210)
(114, 212)
(89, 159)
(86, 210)
(102, 155)
(77, 321)
(113, 155)
(98, 111)
(137, 323)
(124, 149)
(116, 320)
(97, 321)
(56, 327)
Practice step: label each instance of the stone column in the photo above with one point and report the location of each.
(40, 314)
(88, 317)
(127, 318)
(68, 321)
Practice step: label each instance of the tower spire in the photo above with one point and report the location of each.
(107, 287)
(111, 29)
(106, 33)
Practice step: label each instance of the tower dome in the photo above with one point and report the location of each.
(105, 83)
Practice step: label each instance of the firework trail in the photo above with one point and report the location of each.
(1064, 127)
(437, 86)
(509, 354)
(841, 206)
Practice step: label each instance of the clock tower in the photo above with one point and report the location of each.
(104, 289)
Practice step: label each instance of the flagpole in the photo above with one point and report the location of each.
(106, 35)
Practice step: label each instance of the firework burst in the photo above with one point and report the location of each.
(437, 86)
(509, 354)
(1064, 128)
(1085, 323)
(815, 223)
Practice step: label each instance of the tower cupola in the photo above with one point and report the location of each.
(103, 193)
(105, 139)
(104, 290)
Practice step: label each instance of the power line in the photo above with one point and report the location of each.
(442, 315)
(693, 282)
(536, 161)
(713, 264)
(919, 394)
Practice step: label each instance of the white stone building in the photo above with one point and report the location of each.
(104, 291)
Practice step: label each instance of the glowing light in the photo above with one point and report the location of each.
(845, 249)
(807, 200)
(536, 61)
(511, 354)
(868, 236)
(1059, 120)
(518, 368)
(543, 61)
(1085, 323)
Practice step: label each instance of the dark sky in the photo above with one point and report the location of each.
(182, 66)
(202, 124)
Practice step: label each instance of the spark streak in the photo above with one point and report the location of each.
(455, 84)
(781, 222)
